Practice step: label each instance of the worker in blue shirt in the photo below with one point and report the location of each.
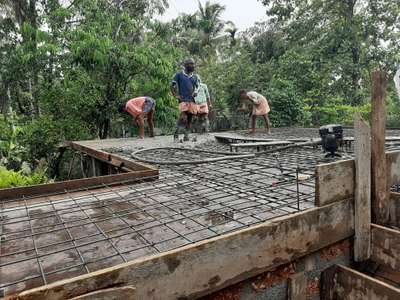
(184, 87)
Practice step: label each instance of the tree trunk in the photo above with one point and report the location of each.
(104, 128)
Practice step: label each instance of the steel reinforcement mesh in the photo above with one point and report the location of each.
(45, 239)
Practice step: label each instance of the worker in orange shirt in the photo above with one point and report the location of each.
(141, 108)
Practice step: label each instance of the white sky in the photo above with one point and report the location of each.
(244, 13)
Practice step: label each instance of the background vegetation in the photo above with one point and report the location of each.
(66, 65)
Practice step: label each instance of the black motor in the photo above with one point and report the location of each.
(332, 138)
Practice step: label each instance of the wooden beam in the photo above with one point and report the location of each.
(259, 145)
(380, 210)
(297, 287)
(102, 155)
(76, 184)
(393, 167)
(248, 145)
(125, 293)
(114, 159)
(342, 174)
(204, 267)
(339, 282)
(385, 243)
(394, 209)
(334, 182)
(362, 193)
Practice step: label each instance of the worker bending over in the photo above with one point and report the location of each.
(184, 87)
(203, 101)
(260, 108)
(141, 108)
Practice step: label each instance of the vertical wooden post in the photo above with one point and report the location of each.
(94, 167)
(380, 192)
(362, 193)
(297, 287)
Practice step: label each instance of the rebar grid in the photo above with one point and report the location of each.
(44, 239)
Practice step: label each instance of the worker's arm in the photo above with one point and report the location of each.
(208, 98)
(196, 85)
(175, 87)
(244, 107)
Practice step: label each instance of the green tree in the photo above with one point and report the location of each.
(341, 34)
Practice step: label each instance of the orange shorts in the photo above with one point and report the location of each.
(202, 108)
(262, 108)
(189, 107)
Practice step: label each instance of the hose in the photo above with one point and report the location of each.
(228, 156)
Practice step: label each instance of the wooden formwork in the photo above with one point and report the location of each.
(340, 282)
(201, 268)
(196, 270)
(374, 242)
(130, 171)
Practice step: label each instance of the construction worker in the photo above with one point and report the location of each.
(203, 101)
(260, 108)
(140, 108)
(184, 87)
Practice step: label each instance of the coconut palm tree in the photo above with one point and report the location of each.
(231, 29)
(209, 21)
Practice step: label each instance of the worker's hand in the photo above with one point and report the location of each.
(210, 105)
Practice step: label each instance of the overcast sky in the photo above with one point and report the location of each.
(244, 13)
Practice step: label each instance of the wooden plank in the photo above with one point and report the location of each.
(393, 167)
(380, 191)
(394, 209)
(297, 287)
(102, 155)
(385, 244)
(342, 174)
(114, 159)
(387, 138)
(388, 275)
(236, 137)
(258, 144)
(340, 282)
(125, 293)
(199, 269)
(133, 165)
(362, 193)
(76, 184)
(334, 182)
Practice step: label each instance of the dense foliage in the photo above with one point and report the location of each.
(66, 65)
(9, 178)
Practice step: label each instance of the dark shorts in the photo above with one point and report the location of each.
(149, 105)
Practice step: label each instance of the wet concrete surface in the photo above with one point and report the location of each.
(45, 239)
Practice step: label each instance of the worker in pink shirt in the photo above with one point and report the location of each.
(141, 108)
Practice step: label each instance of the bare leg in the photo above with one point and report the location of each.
(203, 119)
(253, 124)
(181, 123)
(150, 120)
(189, 120)
(140, 124)
(267, 123)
